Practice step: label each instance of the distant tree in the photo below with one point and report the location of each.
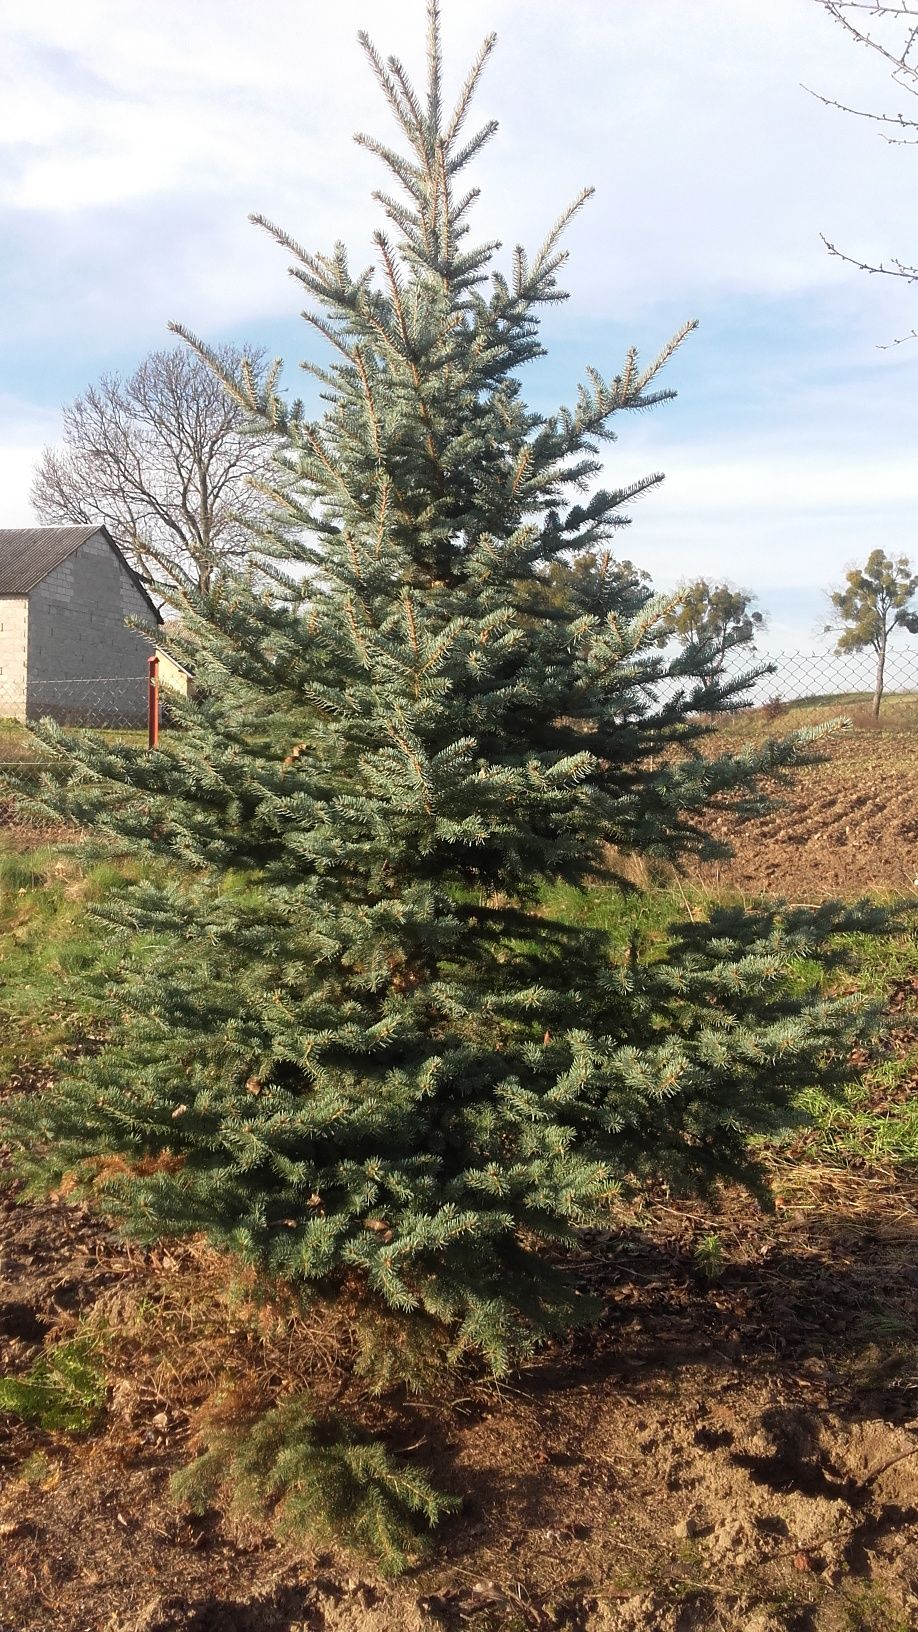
(874, 602)
(595, 582)
(167, 460)
(890, 32)
(714, 618)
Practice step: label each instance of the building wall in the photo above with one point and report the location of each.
(84, 666)
(14, 626)
(172, 674)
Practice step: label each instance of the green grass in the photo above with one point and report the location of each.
(18, 746)
(625, 913)
(857, 1128)
(63, 1392)
(878, 1119)
(49, 943)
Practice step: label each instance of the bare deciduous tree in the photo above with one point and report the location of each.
(167, 460)
(891, 32)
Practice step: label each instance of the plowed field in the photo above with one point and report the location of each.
(844, 826)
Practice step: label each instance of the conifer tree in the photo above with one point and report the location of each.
(350, 1045)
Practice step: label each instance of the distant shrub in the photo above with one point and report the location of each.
(774, 708)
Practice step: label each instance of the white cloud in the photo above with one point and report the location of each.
(785, 485)
(16, 465)
(712, 166)
(782, 525)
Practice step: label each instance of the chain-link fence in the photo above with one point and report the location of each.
(827, 676)
(122, 703)
(102, 702)
(119, 705)
(129, 705)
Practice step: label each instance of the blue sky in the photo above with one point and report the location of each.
(135, 140)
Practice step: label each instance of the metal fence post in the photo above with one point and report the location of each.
(153, 703)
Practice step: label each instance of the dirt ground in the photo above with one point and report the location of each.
(735, 1446)
(844, 826)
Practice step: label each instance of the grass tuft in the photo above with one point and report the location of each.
(63, 1392)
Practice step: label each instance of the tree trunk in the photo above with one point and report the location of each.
(878, 689)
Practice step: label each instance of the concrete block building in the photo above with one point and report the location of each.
(65, 648)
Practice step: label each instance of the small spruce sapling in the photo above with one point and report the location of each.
(315, 1479)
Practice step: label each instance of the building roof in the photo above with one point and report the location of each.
(28, 554)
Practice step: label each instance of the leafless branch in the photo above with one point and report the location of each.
(898, 50)
(167, 461)
(896, 269)
(897, 119)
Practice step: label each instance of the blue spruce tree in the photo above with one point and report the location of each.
(354, 1050)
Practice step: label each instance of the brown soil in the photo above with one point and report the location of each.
(734, 1446)
(842, 827)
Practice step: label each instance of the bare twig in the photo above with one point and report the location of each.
(167, 460)
(898, 54)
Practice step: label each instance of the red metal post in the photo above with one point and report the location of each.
(153, 703)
